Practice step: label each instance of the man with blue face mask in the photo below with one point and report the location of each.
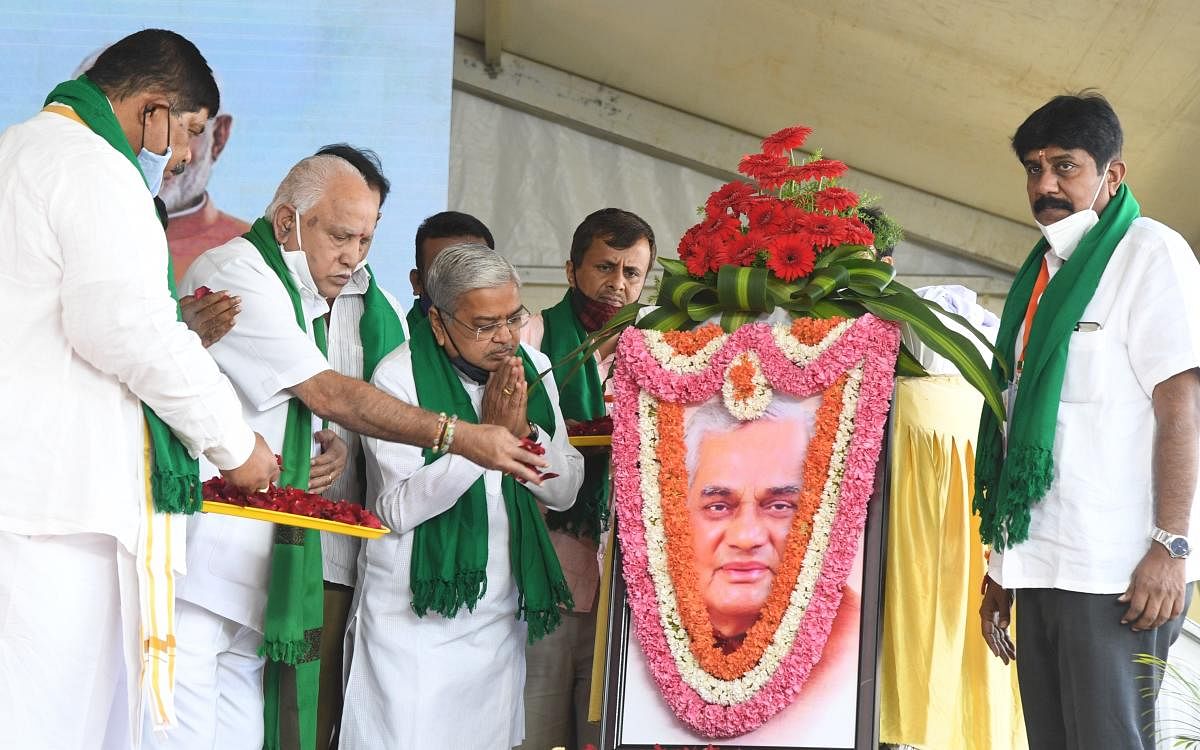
(1086, 491)
(114, 399)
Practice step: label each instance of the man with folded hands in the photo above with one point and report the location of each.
(447, 602)
(250, 615)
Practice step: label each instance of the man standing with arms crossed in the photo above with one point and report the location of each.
(110, 398)
(1086, 493)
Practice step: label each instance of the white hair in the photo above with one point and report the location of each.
(306, 182)
(712, 417)
(464, 268)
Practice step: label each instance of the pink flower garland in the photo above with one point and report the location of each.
(871, 342)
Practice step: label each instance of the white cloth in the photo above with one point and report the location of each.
(89, 330)
(1093, 526)
(412, 678)
(68, 640)
(339, 551)
(961, 301)
(219, 700)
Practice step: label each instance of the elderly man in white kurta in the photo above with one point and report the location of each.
(447, 602)
(90, 335)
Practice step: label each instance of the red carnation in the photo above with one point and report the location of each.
(828, 169)
(792, 256)
(758, 166)
(782, 142)
(836, 199)
(733, 196)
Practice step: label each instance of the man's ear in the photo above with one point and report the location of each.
(283, 222)
(414, 278)
(221, 125)
(1115, 176)
(438, 326)
(570, 274)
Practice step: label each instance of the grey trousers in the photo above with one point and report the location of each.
(558, 681)
(1080, 688)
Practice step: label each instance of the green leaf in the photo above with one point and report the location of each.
(731, 320)
(665, 318)
(907, 364)
(673, 267)
(1000, 359)
(839, 254)
(869, 277)
(823, 282)
(830, 308)
(681, 290)
(906, 307)
(740, 288)
(781, 291)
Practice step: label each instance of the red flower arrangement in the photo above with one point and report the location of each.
(784, 219)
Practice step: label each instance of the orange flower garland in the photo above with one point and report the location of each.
(688, 343)
(742, 376)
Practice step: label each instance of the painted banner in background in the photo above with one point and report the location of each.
(294, 76)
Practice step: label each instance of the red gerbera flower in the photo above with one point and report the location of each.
(693, 254)
(858, 233)
(792, 256)
(733, 196)
(744, 251)
(757, 166)
(829, 169)
(782, 142)
(826, 231)
(836, 199)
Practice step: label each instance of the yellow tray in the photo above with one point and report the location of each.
(291, 519)
(591, 441)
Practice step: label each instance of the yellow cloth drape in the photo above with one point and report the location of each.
(940, 686)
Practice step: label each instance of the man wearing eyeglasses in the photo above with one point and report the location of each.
(447, 603)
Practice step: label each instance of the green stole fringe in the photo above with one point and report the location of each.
(296, 593)
(175, 475)
(449, 555)
(580, 397)
(1008, 482)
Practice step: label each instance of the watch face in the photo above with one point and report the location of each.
(1179, 547)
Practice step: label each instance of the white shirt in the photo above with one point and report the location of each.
(265, 354)
(89, 329)
(412, 679)
(1093, 526)
(340, 552)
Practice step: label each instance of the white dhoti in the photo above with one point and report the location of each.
(218, 692)
(69, 657)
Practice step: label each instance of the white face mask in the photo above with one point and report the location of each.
(154, 165)
(1064, 235)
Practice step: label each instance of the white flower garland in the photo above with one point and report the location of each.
(682, 364)
(753, 407)
(802, 353)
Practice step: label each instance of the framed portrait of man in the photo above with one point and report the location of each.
(751, 516)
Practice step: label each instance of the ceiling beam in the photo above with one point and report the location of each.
(712, 148)
(493, 35)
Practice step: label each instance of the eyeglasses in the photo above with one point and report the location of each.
(489, 331)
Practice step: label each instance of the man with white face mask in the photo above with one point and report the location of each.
(1086, 492)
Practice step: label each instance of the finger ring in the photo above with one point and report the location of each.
(508, 391)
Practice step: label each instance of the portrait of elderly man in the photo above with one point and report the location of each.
(447, 603)
(244, 604)
(744, 485)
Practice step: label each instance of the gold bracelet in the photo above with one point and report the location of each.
(441, 433)
(449, 433)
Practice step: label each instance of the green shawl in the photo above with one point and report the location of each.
(175, 475)
(415, 315)
(379, 329)
(449, 555)
(580, 397)
(1008, 482)
(296, 593)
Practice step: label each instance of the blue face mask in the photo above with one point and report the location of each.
(154, 166)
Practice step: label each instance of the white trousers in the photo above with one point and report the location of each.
(218, 684)
(68, 640)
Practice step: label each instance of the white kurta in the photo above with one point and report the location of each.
(90, 331)
(433, 682)
(339, 551)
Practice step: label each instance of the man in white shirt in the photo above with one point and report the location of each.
(319, 227)
(91, 335)
(444, 601)
(1087, 495)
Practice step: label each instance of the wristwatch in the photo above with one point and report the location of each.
(1177, 545)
